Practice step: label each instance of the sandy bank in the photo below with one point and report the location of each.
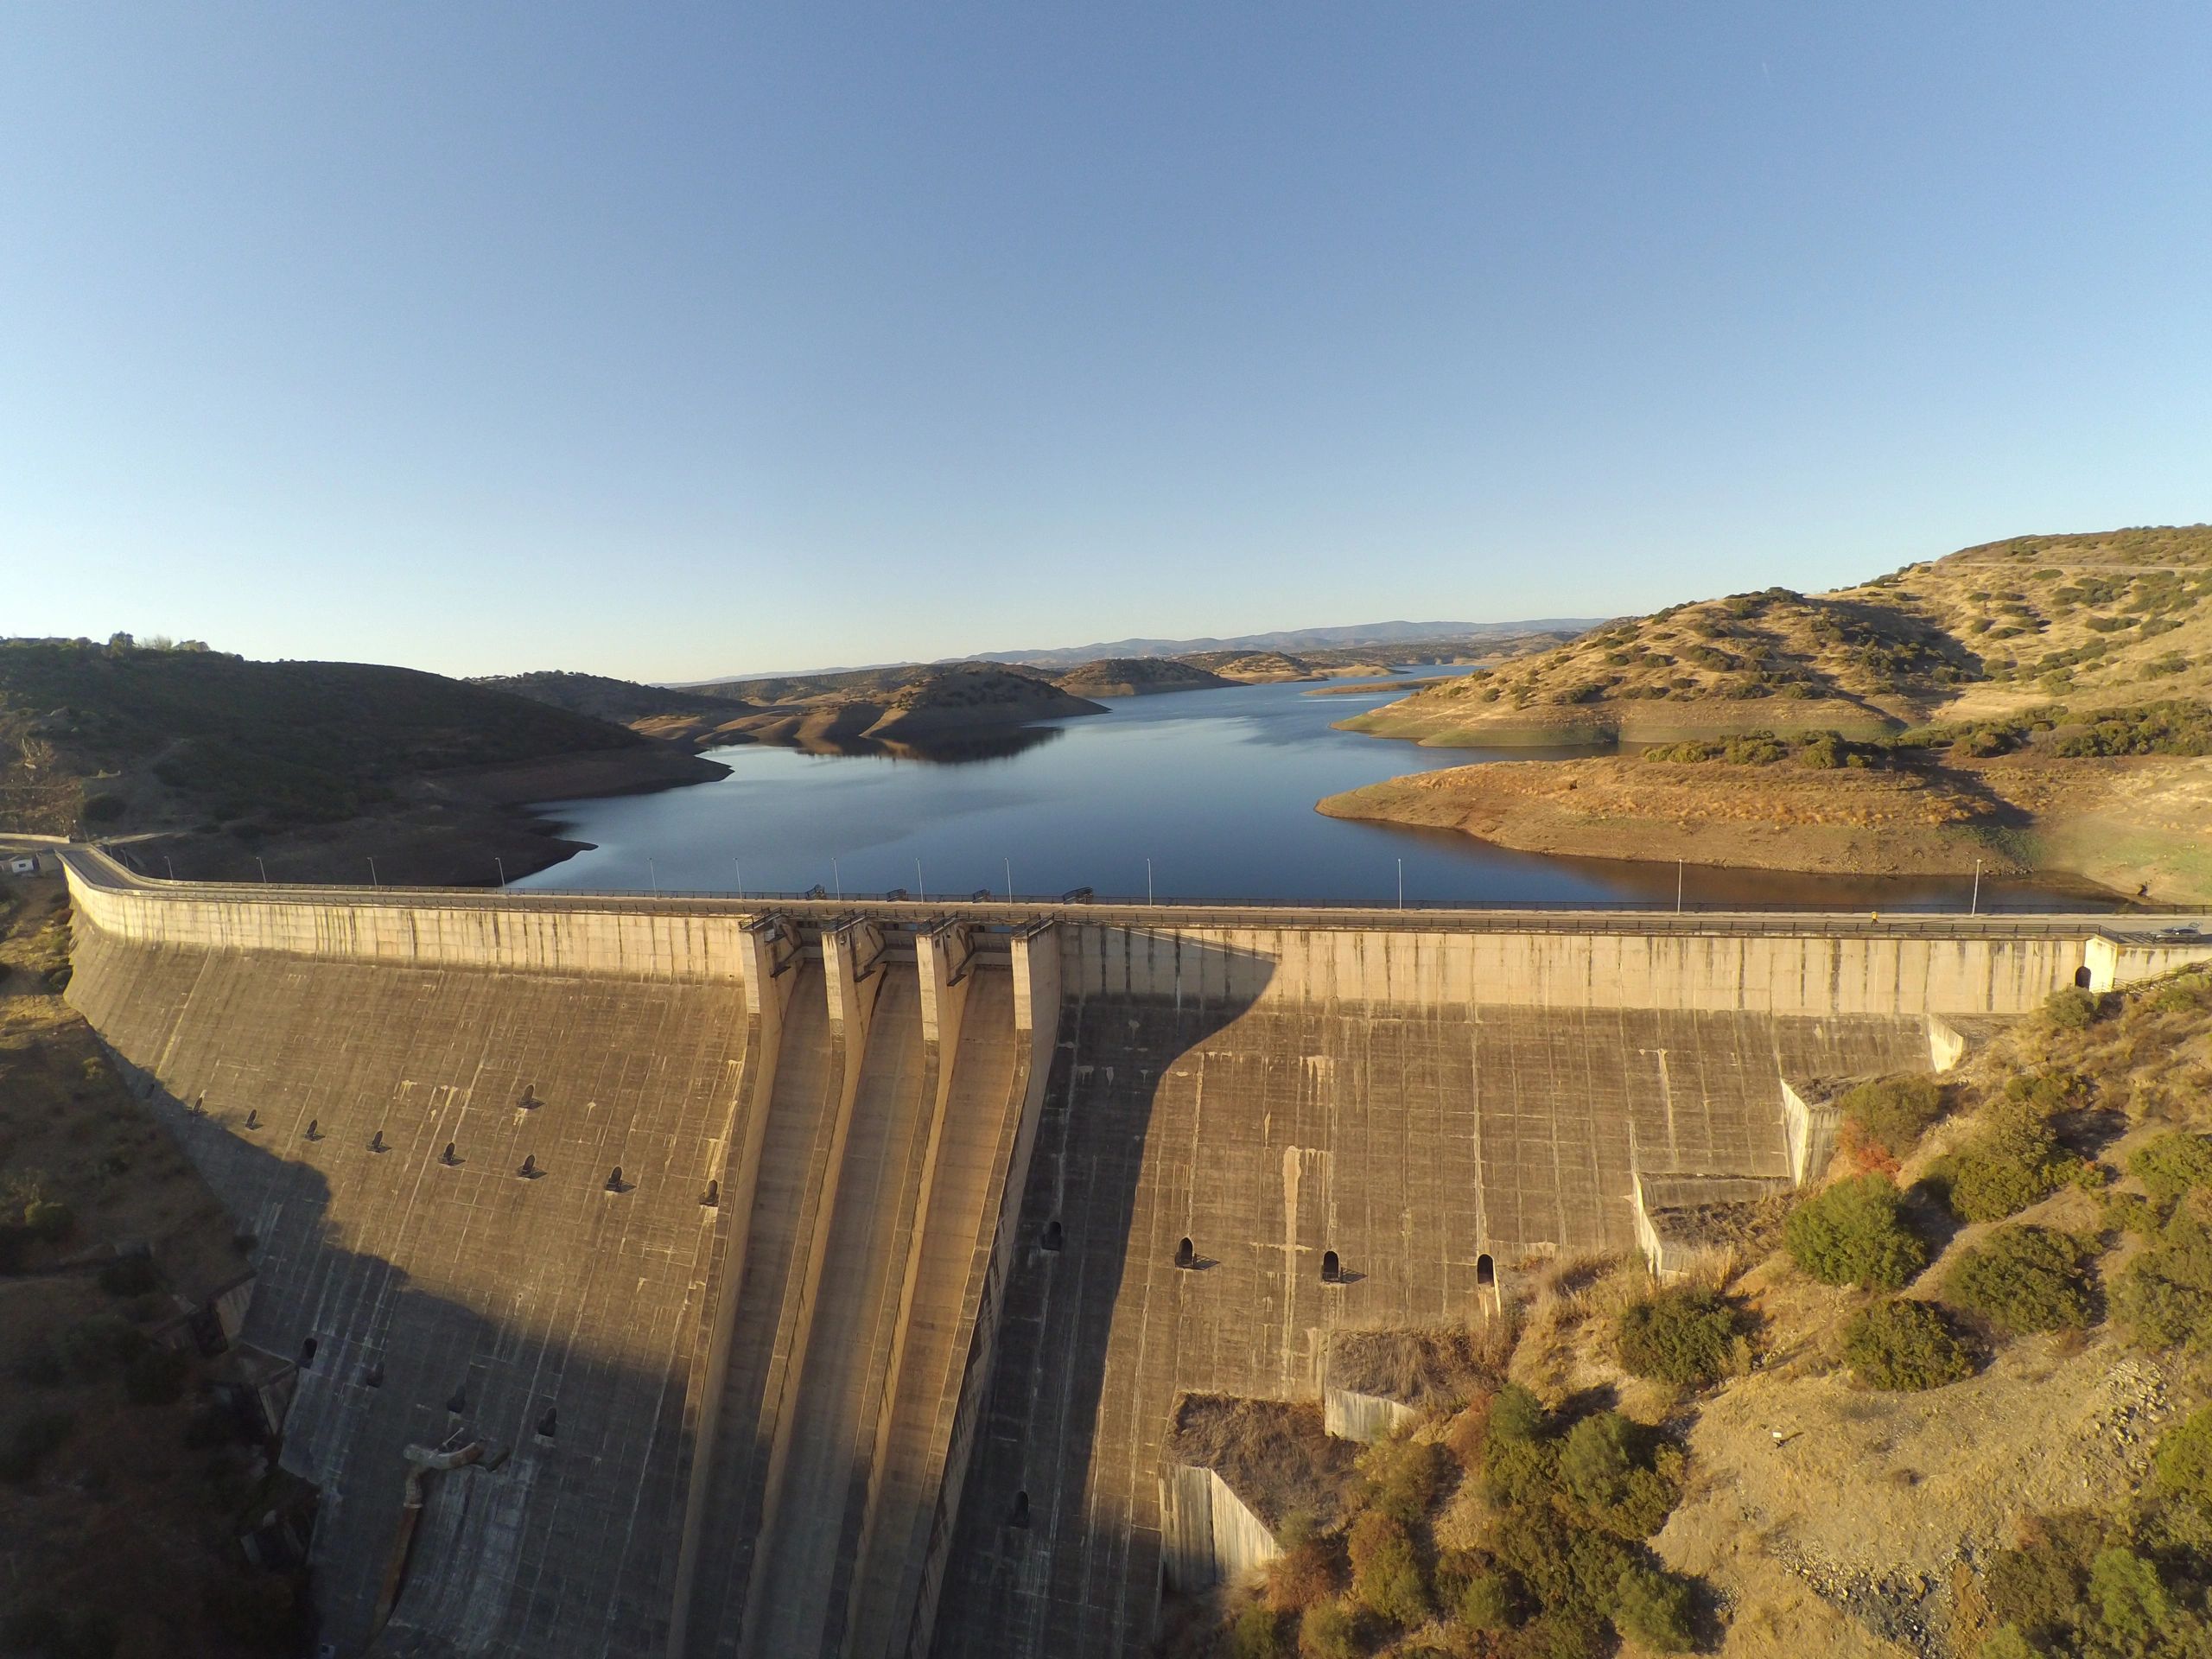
(2124, 824)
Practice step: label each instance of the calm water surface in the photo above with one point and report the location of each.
(1215, 788)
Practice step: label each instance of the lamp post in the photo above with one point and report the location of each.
(652, 874)
(739, 870)
(1147, 883)
(1401, 884)
(264, 869)
(920, 891)
(1009, 880)
(502, 863)
(836, 879)
(1973, 905)
(372, 874)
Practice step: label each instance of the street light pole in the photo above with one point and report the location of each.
(372, 874)
(921, 891)
(740, 869)
(836, 879)
(1973, 906)
(1147, 883)
(1401, 884)
(652, 874)
(171, 862)
(1009, 880)
(264, 869)
(502, 863)
(1678, 887)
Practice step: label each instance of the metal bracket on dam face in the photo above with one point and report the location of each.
(890, 1259)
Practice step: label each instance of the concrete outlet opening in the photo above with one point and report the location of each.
(2081, 979)
(1053, 1239)
(1187, 1255)
(1332, 1270)
(1485, 1272)
(1020, 1517)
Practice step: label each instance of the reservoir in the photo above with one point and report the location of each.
(1215, 789)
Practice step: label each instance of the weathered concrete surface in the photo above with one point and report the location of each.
(1412, 1142)
(801, 1418)
(521, 1295)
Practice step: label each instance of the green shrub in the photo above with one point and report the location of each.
(1386, 1575)
(49, 1219)
(1400, 1477)
(1486, 1602)
(1259, 1634)
(2071, 1009)
(1653, 1608)
(1894, 1111)
(2164, 1297)
(1609, 1467)
(2014, 1162)
(1326, 1632)
(1517, 1414)
(1854, 1233)
(2131, 1212)
(2022, 1279)
(33, 1438)
(1903, 1345)
(2183, 1462)
(2172, 1164)
(1682, 1336)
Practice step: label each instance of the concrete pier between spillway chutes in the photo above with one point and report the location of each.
(807, 1277)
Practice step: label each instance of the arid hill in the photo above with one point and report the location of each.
(311, 768)
(1136, 677)
(2090, 620)
(623, 701)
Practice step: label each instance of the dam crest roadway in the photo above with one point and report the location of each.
(682, 1276)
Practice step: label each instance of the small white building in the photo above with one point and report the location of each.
(23, 863)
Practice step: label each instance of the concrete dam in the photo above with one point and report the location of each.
(655, 1275)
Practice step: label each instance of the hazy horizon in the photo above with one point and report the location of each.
(491, 338)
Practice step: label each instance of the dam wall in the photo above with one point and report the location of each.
(819, 1278)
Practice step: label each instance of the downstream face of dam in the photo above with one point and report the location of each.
(666, 1277)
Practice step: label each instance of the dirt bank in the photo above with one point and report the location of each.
(2125, 824)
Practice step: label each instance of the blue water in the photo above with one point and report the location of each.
(1201, 794)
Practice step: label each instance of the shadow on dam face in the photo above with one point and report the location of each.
(549, 1542)
(1046, 1561)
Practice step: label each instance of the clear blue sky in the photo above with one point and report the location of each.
(664, 340)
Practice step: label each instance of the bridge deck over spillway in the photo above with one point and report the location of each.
(869, 1347)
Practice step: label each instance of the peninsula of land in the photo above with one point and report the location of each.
(2032, 705)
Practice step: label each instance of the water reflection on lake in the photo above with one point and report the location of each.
(1204, 794)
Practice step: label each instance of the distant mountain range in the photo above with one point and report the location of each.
(1291, 640)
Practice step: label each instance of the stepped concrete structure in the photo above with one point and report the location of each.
(684, 1276)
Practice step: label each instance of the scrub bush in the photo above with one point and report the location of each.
(1386, 1575)
(1327, 1632)
(1854, 1233)
(2171, 1165)
(1653, 1607)
(1893, 1112)
(1681, 1336)
(2165, 1298)
(1904, 1345)
(2022, 1279)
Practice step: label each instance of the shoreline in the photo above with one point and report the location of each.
(2132, 827)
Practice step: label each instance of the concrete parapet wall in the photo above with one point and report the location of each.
(1367, 1417)
(1208, 1534)
(1773, 966)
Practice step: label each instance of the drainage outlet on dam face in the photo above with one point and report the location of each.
(1332, 1270)
(1187, 1255)
(1053, 1240)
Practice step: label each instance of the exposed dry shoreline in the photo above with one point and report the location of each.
(2122, 824)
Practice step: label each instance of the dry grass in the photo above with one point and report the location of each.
(1276, 1455)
